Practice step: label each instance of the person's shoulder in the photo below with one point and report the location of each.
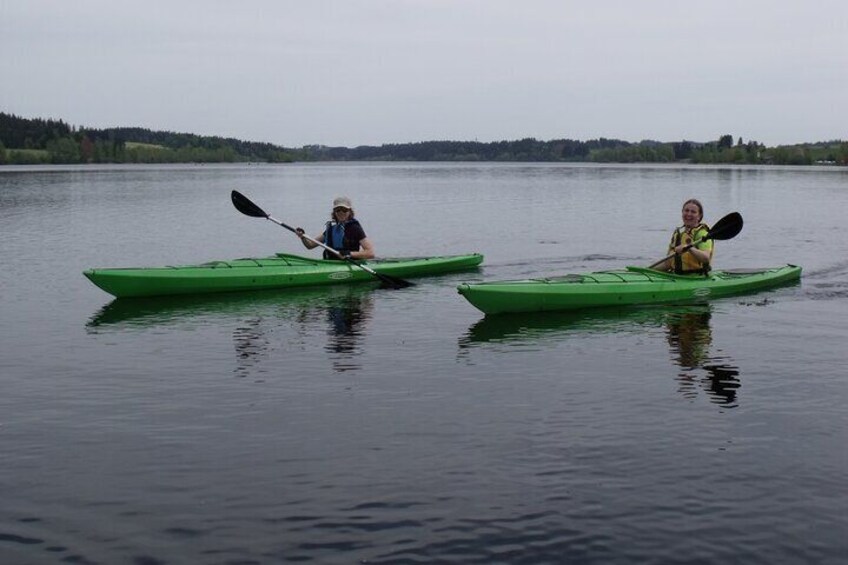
(355, 226)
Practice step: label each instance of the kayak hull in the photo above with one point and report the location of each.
(280, 271)
(630, 287)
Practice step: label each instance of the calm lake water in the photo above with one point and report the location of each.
(359, 425)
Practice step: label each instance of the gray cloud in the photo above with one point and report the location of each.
(370, 72)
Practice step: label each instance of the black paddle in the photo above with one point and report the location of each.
(726, 228)
(246, 206)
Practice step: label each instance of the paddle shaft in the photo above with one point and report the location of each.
(673, 255)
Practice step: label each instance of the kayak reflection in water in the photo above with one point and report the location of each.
(343, 233)
(690, 337)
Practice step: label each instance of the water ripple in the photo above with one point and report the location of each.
(23, 540)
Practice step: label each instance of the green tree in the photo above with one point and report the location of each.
(63, 150)
(86, 148)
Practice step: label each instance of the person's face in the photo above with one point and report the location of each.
(691, 215)
(341, 213)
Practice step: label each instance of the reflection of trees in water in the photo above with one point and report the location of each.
(690, 337)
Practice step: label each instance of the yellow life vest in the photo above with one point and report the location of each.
(687, 263)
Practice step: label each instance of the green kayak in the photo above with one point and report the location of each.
(280, 271)
(633, 286)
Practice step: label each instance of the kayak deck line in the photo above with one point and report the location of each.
(651, 275)
(286, 259)
(229, 264)
(616, 275)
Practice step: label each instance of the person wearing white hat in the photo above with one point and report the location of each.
(343, 233)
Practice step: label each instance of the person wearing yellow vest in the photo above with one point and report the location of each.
(695, 259)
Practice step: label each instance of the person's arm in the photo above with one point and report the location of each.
(702, 255)
(366, 250)
(705, 248)
(306, 243)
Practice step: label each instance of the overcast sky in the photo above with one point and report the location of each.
(368, 72)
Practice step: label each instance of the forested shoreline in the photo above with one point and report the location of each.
(49, 141)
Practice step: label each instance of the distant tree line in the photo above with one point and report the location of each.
(527, 149)
(722, 151)
(53, 141)
(33, 141)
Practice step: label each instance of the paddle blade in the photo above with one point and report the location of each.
(393, 282)
(244, 205)
(726, 228)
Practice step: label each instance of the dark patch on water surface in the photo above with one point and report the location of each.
(23, 540)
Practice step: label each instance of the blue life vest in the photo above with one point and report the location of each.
(334, 236)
